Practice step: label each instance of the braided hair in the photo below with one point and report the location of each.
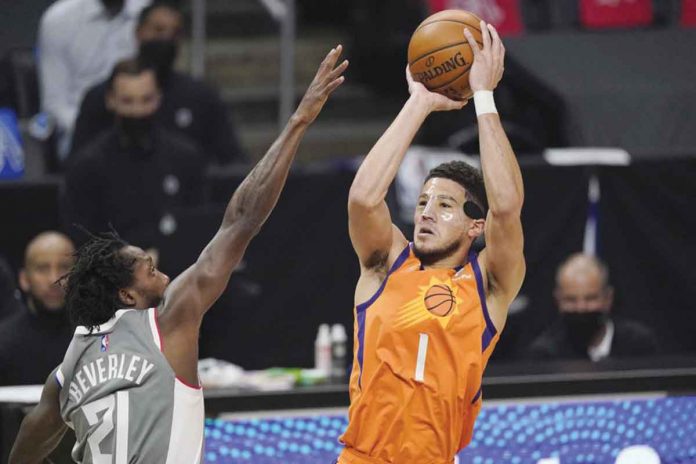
(93, 283)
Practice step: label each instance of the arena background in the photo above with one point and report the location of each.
(618, 102)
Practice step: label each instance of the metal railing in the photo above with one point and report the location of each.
(283, 12)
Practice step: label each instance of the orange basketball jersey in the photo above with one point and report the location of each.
(415, 389)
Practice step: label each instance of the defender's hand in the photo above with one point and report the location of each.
(327, 79)
(434, 101)
(488, 66)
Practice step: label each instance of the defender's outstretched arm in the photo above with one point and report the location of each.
(193, 293)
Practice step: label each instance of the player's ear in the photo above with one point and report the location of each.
(477, 228)
(126, 297)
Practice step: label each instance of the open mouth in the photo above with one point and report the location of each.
(425, 231)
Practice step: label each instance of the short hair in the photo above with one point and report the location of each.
(601, 266)
(145, 12)
(468, 177)
(129, 67)
(92, 285)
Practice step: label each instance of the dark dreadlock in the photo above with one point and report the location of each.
(92, 285)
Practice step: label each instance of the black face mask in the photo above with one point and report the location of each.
(581, 327)
(160, 54)
(136, 133)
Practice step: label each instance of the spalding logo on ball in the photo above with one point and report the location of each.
(439, 56)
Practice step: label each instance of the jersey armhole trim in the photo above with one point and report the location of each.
(157, 338)
(188, 385)
(490, 331)
(361, 309)
(60, 378)
(477, 395)
(154, 328)
(397, 264)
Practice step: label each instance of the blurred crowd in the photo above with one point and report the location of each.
(35, 329)
(134, 137)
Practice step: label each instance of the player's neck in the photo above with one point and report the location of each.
(451, 261)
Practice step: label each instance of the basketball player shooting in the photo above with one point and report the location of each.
(429, 313)
(128, 384)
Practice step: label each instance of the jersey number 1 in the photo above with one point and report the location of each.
(419, 376)
(118, 401)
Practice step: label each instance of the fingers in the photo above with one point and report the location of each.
(497, 43)
(330, 60)
(409, 77)
(338, 70)
(333, 85)
(472, 42)
(486, 36)
(329, 76)
(498, 49)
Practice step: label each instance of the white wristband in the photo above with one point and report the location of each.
(484, 103)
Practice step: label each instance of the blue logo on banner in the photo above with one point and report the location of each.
(11, 152)
(657, 431)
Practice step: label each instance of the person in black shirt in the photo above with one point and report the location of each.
(189, 106)
(585, 328)
(9, 303)
(34, 339)
(137, 175)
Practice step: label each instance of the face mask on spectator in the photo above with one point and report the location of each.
(160, 54)
(581, 327)
(136, 132)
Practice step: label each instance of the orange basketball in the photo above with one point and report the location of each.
(439, 300)
(439, 56)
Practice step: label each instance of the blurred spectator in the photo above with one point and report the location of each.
(188, 105)
(79, 43)
(33, 340)
(136, 175)
(586, 328)
(378, 54)
(8, 291)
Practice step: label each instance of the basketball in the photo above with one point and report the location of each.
(439, 300)
(439, 56)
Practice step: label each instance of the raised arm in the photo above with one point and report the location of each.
(42, 429)
(375, 240)
(503, 257)
(194, 291)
